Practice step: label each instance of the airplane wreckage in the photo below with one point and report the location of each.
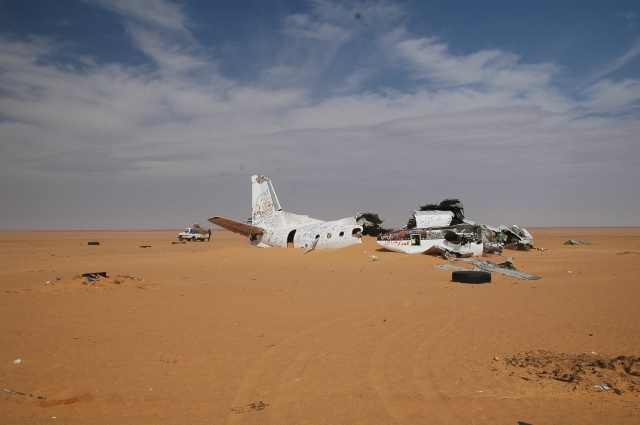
(433, 229)
(442, 229)
(269, 226)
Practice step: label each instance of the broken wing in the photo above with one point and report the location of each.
(237, 227)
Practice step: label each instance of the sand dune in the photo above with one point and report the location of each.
(222, 332)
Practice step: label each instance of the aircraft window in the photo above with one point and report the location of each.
(341, 234)
(415, 239)
(328, 235)
(317, 236)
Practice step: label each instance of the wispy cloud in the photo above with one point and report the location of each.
(432, 61)
(618, 63)
(157, 13)
(159, 28)
(609, 96)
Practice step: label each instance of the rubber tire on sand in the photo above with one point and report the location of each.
(471, 276)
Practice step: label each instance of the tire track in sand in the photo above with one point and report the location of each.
(403, 374)
(278, 378)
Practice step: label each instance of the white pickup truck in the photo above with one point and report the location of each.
(193, 234)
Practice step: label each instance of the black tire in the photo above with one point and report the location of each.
(180, 238)
(471, 277)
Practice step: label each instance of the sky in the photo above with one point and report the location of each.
(154, 114)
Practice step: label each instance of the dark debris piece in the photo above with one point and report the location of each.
(589, 371)
(253, 406)
(370, 223)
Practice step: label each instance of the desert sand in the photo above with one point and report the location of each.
(222, 332)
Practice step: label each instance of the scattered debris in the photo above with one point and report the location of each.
(577, 242)
(374, 257)
(448, 266)
(508, 264)
(507, 268)
(500, 268)
(17, 361)
(584, 371)
(7, 390)
(442, 229)
(95, 275)
(253, 406)
(174, 243)
(66, 401)
(370, 223)
(91, 276)
(93, 243)
(97, 280)
(145, 246)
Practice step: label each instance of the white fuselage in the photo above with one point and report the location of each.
(427, 241)
(432, 246)
(328, 234)
(272, 227)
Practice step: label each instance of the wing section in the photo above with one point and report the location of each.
(237, 227)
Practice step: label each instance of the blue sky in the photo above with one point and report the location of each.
(150, 114)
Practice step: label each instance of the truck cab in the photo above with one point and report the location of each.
(191, 234)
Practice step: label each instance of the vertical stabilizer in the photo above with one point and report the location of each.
(265, 208)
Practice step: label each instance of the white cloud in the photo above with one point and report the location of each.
(610, 96)
(432, 61)
(465, 125)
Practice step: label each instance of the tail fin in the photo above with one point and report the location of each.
(265, 208)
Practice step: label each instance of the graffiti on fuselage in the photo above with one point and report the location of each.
(399, 242)
(404, 235)
(263, 211)
(265, 214)
(290, 219)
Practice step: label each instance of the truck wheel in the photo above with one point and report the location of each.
(471, 277)
(180, 238)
